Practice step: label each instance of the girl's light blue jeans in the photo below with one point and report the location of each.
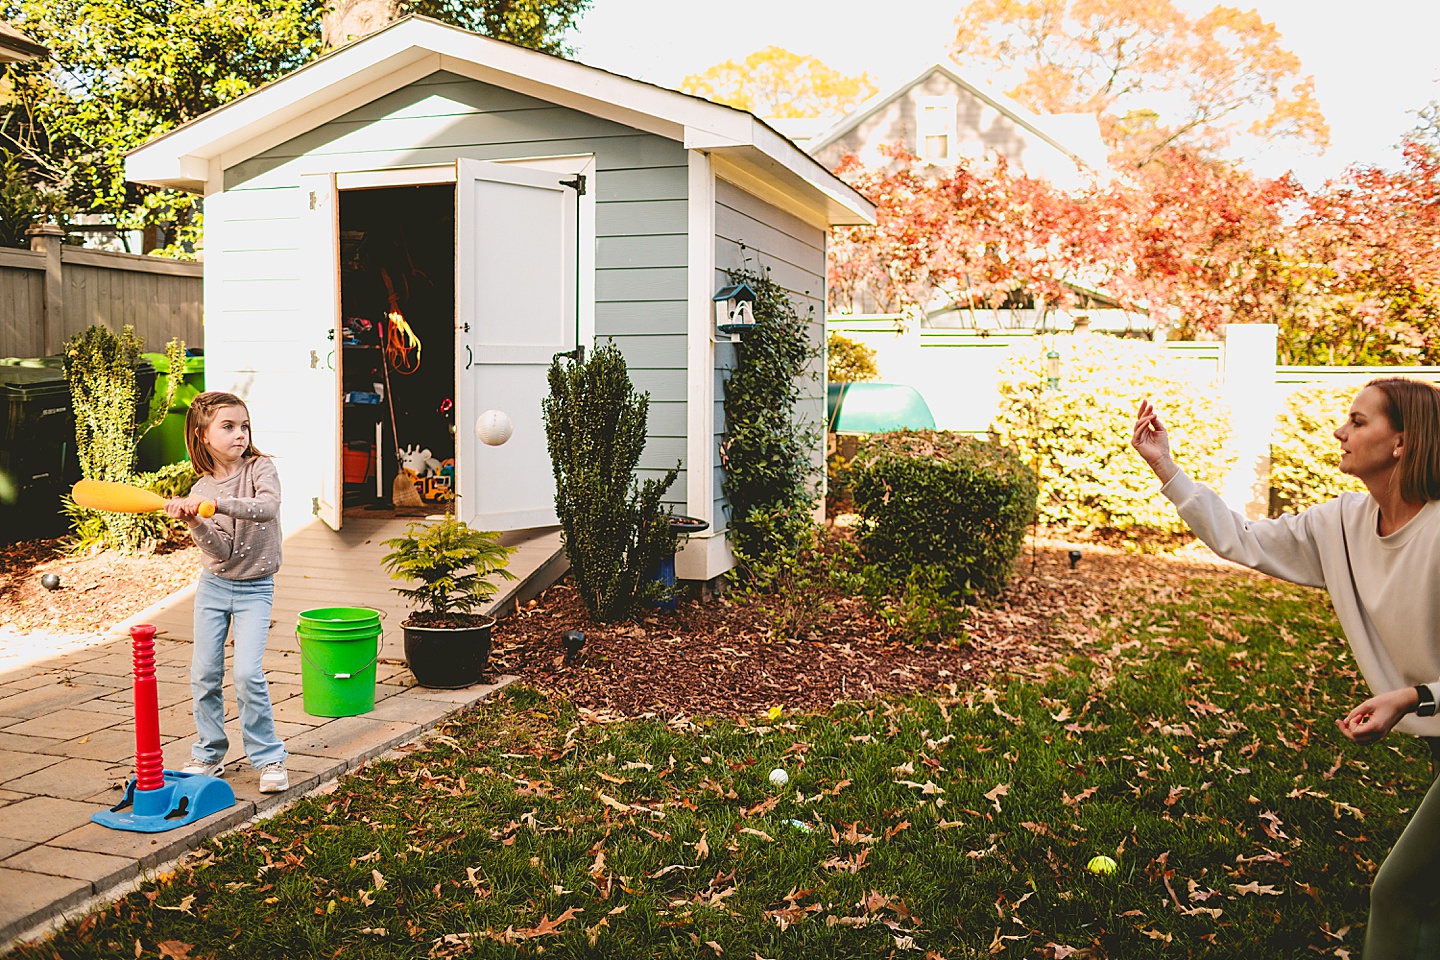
(221, 604)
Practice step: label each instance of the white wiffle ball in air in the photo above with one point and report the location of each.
(493, 427)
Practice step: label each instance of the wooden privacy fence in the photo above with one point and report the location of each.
(53, 291)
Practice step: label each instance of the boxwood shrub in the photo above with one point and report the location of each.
(935, 499)
(1304, 454)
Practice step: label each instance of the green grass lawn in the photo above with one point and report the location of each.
(1193, 741)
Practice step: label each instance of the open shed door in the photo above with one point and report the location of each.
(320, 232)
(515, 309)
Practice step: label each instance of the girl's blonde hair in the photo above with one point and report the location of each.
(198, 419)
(1413, 408)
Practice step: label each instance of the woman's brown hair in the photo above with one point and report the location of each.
(1413, 408)
(198, 419)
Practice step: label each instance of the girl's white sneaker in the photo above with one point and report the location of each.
(197, 769)
(273, 778)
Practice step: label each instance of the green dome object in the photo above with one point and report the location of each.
(876, 408)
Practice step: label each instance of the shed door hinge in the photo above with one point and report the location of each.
(315, 506)
(578, 184)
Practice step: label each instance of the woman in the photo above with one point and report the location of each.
(1374, 554)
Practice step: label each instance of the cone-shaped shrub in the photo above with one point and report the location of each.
(615, 529)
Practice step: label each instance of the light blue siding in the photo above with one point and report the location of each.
(640, 188)
(794, 253)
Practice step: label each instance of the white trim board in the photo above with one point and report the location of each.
(700, 342)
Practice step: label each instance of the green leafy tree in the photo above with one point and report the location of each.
(615, 529)
(122, 73)
(20, 202)
(538, 24)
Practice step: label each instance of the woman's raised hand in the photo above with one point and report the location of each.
(1152, 442)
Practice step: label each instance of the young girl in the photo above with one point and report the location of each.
(1378, 556)
(240, 552)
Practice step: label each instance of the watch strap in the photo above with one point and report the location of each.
(1426, 706)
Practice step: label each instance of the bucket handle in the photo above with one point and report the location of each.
(381, 613)
(338, 676)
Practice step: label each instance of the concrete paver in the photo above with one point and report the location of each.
(65, 724)
(43, 700)
(98, 868)
(32, 897)
(14, 764)
(67, 736)
(40, 819)
(73, 779)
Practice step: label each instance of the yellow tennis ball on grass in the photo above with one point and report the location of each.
(1102, 865)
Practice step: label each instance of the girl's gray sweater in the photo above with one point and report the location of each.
(242, 540)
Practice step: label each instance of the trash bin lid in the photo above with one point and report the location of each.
(876, 408)
(55, 362)
(161, 363)
(32, 381)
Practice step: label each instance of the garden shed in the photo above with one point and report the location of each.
(509, 205)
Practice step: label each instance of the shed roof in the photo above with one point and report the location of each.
(14, 45)
(195, 155)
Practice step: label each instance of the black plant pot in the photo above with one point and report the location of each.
(447, 658)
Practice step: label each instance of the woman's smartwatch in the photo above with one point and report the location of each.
(1426, 707)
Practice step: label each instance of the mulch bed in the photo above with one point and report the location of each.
(717, 657)
(720, 658)
(92, 586)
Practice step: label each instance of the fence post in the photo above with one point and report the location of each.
(47, 238)
(1248, 374)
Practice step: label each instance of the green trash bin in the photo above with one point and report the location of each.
(165, 444)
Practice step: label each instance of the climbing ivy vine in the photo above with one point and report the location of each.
(770, 479)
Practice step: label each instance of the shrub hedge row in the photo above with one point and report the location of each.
(1076, 434)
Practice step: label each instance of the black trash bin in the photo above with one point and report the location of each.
(38, 463)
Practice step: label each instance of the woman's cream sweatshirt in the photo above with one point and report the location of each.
(1390, 610)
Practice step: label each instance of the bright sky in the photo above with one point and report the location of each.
(1374, 64)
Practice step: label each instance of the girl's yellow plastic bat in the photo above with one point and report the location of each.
(123, 498)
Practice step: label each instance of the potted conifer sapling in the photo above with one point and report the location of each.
(447, 639)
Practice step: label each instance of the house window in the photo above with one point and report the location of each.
(935, 128)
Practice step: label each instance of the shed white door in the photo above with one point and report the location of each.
(320, 220)
(515, 309)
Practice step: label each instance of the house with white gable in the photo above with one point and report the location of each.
(941, 116)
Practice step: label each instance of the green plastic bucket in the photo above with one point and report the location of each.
(340, 621)
(339, 647)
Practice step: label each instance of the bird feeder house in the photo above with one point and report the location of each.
(735, 310)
